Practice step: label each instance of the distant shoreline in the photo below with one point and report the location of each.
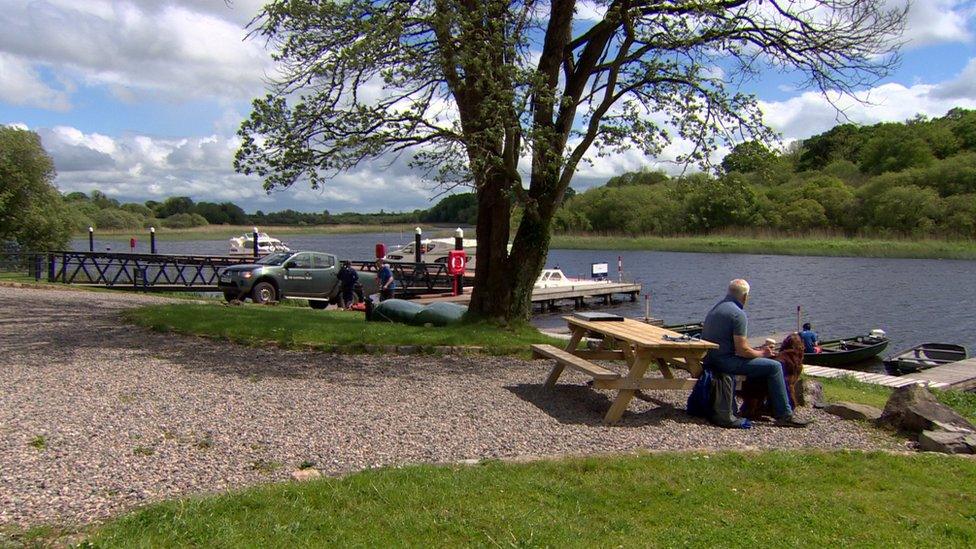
(815, 245)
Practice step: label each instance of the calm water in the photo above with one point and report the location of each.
(913, 300)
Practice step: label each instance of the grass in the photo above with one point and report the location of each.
(215, 232)
(38, 443)
(673, 499)
(850, 390)
(777, 245)
(294, 327)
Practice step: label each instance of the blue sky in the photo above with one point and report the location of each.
(141, 99)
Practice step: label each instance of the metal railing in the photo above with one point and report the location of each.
(139, 271)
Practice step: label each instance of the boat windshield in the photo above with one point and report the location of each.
(274, 259)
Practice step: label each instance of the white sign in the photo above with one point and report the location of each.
(600, 269)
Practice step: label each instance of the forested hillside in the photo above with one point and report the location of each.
(916, 178)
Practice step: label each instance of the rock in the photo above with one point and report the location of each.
(407, 349)
(914, 409)
(809, 392)
(469, 461)
(947, 442)
(305, 474)
(852, 410)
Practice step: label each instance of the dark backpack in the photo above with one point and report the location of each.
(700, 399)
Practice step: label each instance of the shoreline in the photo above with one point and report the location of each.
(820, 246)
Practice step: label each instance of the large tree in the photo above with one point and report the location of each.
(32, 212)
(511, 96)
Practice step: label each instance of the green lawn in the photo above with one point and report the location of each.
(850, 390)
(776, 499)
(775, 245)
(293, 326)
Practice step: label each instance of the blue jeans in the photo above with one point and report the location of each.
(758, 368)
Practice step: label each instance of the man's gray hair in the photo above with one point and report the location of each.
(739, 288)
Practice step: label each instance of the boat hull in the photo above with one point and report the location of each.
(925, 356)
(843, 352)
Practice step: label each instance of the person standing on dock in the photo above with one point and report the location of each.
(810, 339)
(726, 325)
(385, 276)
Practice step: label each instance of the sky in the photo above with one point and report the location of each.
(141, 99)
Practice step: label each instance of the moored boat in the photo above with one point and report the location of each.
(693, 329)
(555, 278)
(435, 250)
(841, 352)
(924, 356)
(244, 245)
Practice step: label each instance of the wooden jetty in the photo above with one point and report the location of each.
(549, 298)
(955, 375)
(868, 377)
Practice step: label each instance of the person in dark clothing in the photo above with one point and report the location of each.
(348, 280)
(726, 325)
(385, 276)
(810, 339)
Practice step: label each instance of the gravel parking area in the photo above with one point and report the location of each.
(97, 416)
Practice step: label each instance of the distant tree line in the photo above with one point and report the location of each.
(102, 212)
(916, 178)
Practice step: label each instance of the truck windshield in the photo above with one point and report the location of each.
(274, 259)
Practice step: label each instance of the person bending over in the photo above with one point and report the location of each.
(726, 325)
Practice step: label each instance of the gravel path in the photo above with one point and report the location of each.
(97, 416)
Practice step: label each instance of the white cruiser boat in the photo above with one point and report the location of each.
(554, 278)
(244, 245)
(435, 250)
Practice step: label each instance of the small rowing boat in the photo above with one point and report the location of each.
(924, 356)
(841, 352)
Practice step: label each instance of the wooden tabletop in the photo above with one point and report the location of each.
(640, 334)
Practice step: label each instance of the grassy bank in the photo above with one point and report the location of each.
(850, 390)
(725, 499)
(290, 327)
(813, 245)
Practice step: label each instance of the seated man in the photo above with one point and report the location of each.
(726, 325)
(810, 339)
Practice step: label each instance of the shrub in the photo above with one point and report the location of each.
(183, 221)
(111, 218)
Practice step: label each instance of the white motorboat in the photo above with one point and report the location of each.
(244, 245)
(435, 250)
(555, 278)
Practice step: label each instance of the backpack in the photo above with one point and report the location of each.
(700, 399)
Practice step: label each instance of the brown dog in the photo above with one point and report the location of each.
(754, 392)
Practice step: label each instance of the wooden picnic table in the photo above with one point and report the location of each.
(638, 345)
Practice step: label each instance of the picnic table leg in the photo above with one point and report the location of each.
(557, 370)
(638, 367)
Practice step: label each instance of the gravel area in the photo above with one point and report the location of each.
(97, 416)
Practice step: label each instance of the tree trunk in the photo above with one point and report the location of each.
(492, 287)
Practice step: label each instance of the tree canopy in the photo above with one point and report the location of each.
(32, 213)
(470, 88)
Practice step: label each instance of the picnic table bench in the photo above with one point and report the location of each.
(638, 345)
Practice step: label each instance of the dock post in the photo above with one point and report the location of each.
(255, 241)
(417, 232)
(152, 240)
(91, 238)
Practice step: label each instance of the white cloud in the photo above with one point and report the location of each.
(937, 21)
(21, 84)
(186, 49)
(142, 167)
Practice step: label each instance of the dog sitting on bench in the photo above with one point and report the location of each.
(754, 392)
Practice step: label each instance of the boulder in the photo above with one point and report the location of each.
(914, 409)
(852, 410)
(947, 442)
(809, 392)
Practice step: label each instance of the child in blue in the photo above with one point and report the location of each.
(385, 275)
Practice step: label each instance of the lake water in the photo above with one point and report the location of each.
(913, 300)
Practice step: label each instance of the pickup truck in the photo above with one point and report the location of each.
(306, 275)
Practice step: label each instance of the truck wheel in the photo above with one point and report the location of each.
(263, 292)
(317, 305)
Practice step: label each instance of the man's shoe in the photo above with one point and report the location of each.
(791, 421)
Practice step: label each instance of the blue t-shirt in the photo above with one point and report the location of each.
(725, 320)
(809, 338)
(386, 274)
